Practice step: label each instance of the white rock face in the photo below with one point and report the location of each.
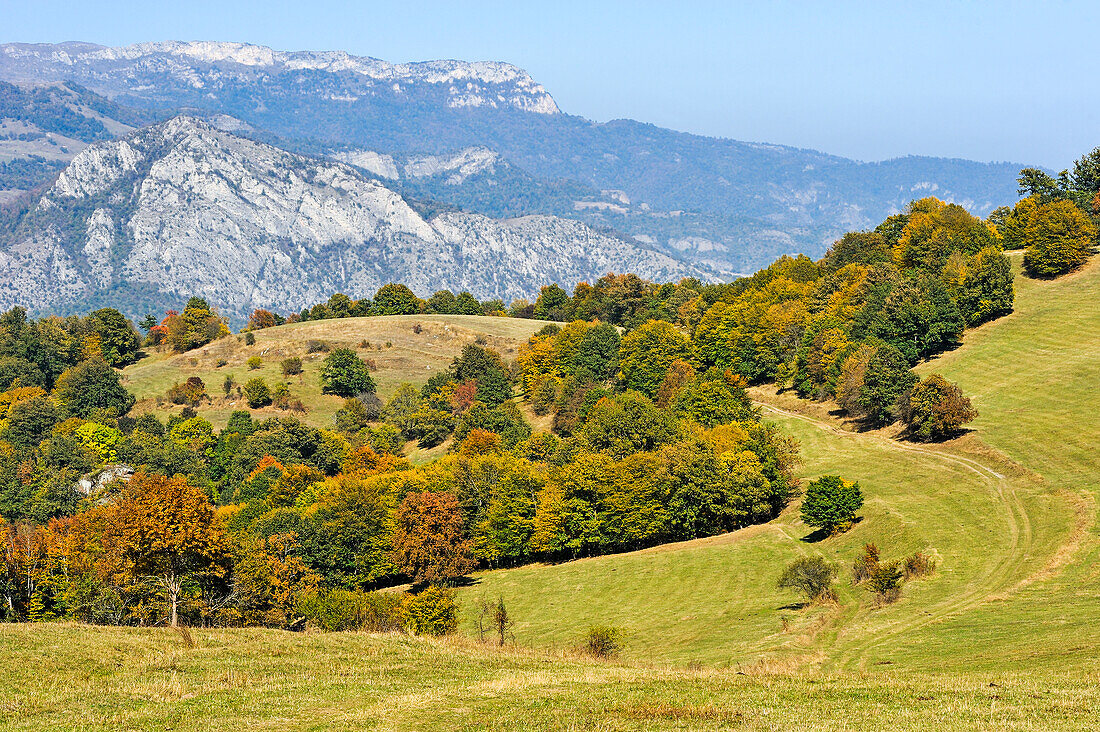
(190, 209)
(468, 84)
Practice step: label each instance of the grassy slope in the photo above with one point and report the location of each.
(1003, 636)
(70, 677)
(411, 357)
(1007, 522)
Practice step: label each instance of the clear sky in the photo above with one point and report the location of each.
(1014, 81)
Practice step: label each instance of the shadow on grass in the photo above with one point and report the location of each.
(821, 534)
(795, 606)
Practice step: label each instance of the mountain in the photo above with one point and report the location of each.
(43, 127)
(183, 207)
(735, 205)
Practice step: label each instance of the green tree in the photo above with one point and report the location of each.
(646, 353)
(830, 503)
(29, 421)
(118, 340)
(90, 386)
(937, 409)
(486, 368)
(552, 303)
(886, 379)
(344, 374)
(467, 304)
(598, 352)
(442, 302)
(1060, 238)
(395, 299)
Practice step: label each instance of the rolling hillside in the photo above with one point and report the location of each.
(1002, 636)
(1008, 511)
(398, 351)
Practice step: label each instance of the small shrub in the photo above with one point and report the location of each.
(493, 619)
(885, 583)
(604, 641)
(280, 396)
(250, 338)
(371, 364)
(254, 363)
(418, 328)
(389, 344)
(865, 564)
(291, 366)
(431, 612)
(364, 343)
(313, 346)
(812, 576)
(190, 392)
(481, 340)
(918, 564)
(256, 393)
(227, 385)
(221, 362)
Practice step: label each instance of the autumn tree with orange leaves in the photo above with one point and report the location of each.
(167, 532)
(428, 545)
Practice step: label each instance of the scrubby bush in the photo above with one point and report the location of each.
(885, 583)
(254, 362)
(432, 611)
(812, 576)
(291, 366)
(256, 393)
(250, 339)
(604, 641)
(831, 503)
(918, 564)
(865, 564)
(189, 392)
(315, 346)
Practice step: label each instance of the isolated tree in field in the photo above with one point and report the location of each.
(428, 545)
(936, 409)
(344, 374)
(812, 576)
(168, 531)
(830, 503)
(1060, 238)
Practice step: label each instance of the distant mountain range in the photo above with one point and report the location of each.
(182, 208)
(452, 136)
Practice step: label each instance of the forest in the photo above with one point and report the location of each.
(108, 517)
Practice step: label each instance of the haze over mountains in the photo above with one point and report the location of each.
(482, 137)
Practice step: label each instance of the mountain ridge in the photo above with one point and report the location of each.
(184, 208)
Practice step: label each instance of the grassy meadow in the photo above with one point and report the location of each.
(399, 353)
(68, 677)
(1004, 634)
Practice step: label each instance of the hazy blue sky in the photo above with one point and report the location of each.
(983, 80)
